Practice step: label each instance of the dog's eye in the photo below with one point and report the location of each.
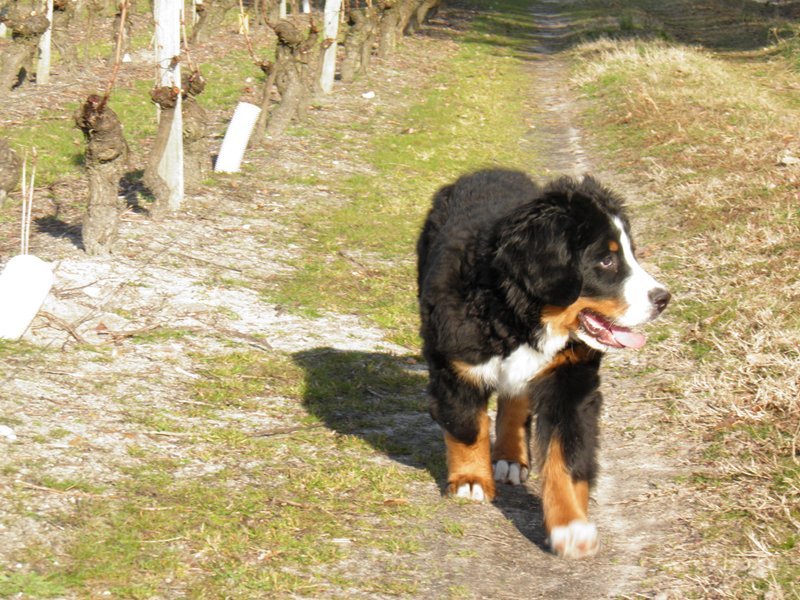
(609, 261)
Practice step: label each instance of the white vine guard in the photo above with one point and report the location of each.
(26, 280)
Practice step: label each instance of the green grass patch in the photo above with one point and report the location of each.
(29, 585)
(339, 387)
(58, 143)
(157, 421)
(453, 528)
(160, 334)
(500, 27)
(236, 517)
(226, 79)
(12, 351)
(789, 45)
(244, 378)
(70, 485)
(339, 382)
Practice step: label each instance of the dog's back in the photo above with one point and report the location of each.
(469, 206)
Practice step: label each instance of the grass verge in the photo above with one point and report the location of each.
(709, 135)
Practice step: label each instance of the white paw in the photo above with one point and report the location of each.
(471, 492)
(576, 540)
(510, 472)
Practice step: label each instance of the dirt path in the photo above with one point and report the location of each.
(502, 553)
(634, 504)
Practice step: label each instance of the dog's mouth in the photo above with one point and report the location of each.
(607, 333)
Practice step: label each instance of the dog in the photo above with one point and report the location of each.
(522, 289)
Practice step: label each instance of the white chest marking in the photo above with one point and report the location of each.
(510, 375)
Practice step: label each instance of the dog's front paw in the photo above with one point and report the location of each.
(510, 472)
(576, 540)
(471, 488)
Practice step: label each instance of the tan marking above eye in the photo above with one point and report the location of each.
(613, 246)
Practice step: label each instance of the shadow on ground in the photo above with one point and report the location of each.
(381, 398)
(55, 227)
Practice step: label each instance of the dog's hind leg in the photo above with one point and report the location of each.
(511, 453)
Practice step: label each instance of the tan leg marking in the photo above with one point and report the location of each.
(469, 466)
(582, 495)
(511, 442)
(565, 504)
(510, 454)
(559, 500)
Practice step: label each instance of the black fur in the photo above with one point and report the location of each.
(567, 403)
(497, 248)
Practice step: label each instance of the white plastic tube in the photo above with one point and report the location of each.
(236, 138)
(43, 66)
(332, 8)
(168, 15)
(24, 284)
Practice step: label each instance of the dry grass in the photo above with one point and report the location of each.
(714, 140)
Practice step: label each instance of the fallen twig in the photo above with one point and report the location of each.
(252, 340)
(43, 488)
(354, 260)
(65, 293)
(195, 403)
(168, 433)
(285, 430)
(63, 325)
(121, 335)
(207, 262)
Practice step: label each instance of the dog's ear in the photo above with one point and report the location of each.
(535, 255)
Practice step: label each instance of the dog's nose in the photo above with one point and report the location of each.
(660, 298)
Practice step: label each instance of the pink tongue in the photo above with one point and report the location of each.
(628, 338)
(611, 335)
